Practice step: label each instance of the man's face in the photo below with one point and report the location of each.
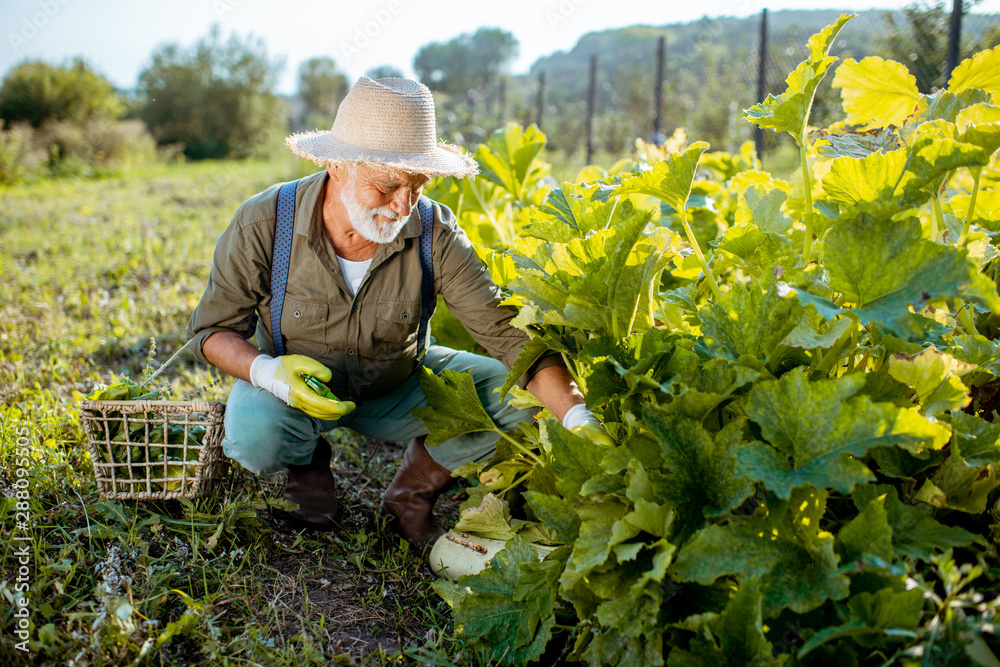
(378, 203)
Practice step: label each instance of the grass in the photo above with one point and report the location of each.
(92, 272)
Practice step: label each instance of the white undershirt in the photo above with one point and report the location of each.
(354, 272)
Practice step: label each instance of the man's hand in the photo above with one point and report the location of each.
(581, 421)
(594, 432)
(282, 377)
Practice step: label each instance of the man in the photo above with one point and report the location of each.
(351, 313)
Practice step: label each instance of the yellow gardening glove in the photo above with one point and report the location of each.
(282, 377)
(594, 432)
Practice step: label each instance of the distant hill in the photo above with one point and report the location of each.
(711, 68)
(691, 45)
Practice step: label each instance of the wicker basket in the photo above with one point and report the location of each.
(138, 467)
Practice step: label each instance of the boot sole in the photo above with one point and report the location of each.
(299, 523)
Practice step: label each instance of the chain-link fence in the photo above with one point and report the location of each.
(711, 73)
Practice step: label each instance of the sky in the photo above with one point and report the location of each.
(118, 37)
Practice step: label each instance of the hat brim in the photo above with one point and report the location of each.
(323, 149)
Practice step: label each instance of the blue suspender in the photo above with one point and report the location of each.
(427, 295)
(283, 253)
(279, 262)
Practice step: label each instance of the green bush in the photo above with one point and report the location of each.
(38, 93)
(18, 155)
(217, 98)
(95, 147)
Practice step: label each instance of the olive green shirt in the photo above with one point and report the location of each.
(368, 340)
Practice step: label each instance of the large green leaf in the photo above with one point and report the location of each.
(980, 71)
(635, 611)
(934, 376)
(501, 267)
(883, 268)
(866, 184)
(609, 646)
(454, 407)
(556, 513)
(669, 180)
(700, 469)
(749, 320)
(819, 428)
(574, 459)
(960, 486)
(699, 391)
(787, 550)
(789, 112)
(602, 283)
(533, 350)
(571, 212)
(759, 252)
(876, 92)
(987, 213)
(976, 440)
(980, 125)
(510, 159)
(945, 105)
(937, 149)
(978, 351)
(845, 143)
(734, 637)
(490, 613)
(915, 532)
(491, 519)
(602, 527)
(813, 331)
(867, 533)
(885, 612)
(760, 206)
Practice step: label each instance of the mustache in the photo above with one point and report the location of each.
(387, 212)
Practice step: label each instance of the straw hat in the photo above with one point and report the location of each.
(385, 123)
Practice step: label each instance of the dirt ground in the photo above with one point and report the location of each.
(368, 590)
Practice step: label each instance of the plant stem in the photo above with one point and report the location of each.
(966, 318)
(807, 192)
(832, 354)
(520, 448)
(976, 173)
(937, 220)
(699, 255)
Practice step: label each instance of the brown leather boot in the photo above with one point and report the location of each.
(410, 497)
(313, 488)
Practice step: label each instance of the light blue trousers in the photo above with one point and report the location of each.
(264, 435)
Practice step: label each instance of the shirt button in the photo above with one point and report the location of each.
(354, 309)
(350, 352)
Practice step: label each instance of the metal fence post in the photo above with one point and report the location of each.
(954, 40)
(541, 100)
(591, 96)
(661, 50)
(758, 134)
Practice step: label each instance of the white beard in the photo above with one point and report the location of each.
(363, 219)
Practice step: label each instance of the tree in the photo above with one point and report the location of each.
(384, 72)
(217, 99)
(922, 45)
(37, 92)
(321, 87)
(467, 62)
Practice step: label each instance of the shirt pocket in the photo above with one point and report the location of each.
(304, 325)
(396, 325)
